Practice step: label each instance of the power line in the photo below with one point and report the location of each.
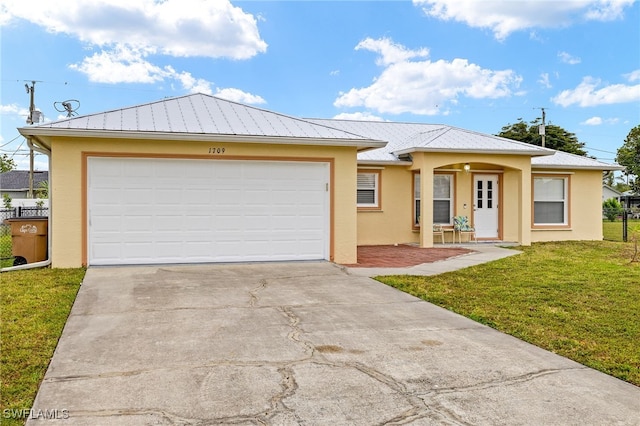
(17, 149)
(2, 146)
(600, 150)
(26, 154)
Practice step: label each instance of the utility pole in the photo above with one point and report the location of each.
(30, 120)
(541, 128)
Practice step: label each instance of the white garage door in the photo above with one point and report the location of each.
(144, 211)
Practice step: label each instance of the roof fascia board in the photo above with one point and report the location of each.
(535, 167)
(361, 144)
(529, 153)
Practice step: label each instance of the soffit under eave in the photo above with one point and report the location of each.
(383, 163)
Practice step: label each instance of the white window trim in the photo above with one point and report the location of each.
(416, 198)
(376, 189)
(565, 201)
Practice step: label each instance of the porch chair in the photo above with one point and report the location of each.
(461, 226)
(437, 230)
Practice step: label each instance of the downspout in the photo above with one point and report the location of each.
(46, 262)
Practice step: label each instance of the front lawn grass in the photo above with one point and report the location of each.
(35, 304)
(580, 300)
(612, 231)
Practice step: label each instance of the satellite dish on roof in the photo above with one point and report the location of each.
(69, 106)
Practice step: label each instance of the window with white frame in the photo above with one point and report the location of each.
(550, 200)
(368, 189)
(442, 199)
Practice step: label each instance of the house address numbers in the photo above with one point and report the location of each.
(216, 150)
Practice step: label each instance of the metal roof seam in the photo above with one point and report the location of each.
(196, 114)
(222, 114)
(208, 116)
(168, 116)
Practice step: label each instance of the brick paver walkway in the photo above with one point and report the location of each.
(403, 255)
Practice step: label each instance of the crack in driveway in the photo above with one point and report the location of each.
(253, 293)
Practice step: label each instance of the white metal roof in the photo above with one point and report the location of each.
(205, 117)
(200, 116)
(405, 138)
(565, 160)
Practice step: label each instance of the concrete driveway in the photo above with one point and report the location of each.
(301, 344)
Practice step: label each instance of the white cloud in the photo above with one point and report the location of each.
(506, 17)
(358, 116)
(237, 95)
(15, 112)
(127, 34)
(568, 59)
(589, 93)
(390, 52)
(193, 85)
(607, 10)
(633, 76)
(424, 87)
(12, 109)
(121, 65)
(597, 121)
(179, 28)
(126, 65)
(544, 80)
(593, 121)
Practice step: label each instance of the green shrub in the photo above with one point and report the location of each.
(612, 209)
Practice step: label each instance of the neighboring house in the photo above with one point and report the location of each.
(201, 179)
(630, 200)
(15, 183)
(609, 192)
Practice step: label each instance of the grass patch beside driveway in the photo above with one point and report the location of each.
(35, 304)
(580, 300)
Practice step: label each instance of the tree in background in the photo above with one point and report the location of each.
(7, 164)
(42, 191)
(556, 137)
(6, 201)
(628, 155)
(615, 181)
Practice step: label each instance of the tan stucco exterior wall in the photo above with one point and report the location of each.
(392, 223)
(67, 219)
(585, 209)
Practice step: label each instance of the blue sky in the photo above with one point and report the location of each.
(478, 65)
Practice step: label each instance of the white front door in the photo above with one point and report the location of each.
(485, 205)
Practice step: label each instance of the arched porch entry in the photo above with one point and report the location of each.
(493, 191)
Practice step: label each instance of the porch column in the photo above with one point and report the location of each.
(426, 206)
(526, 201)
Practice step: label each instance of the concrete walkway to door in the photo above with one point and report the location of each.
(301, 344)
